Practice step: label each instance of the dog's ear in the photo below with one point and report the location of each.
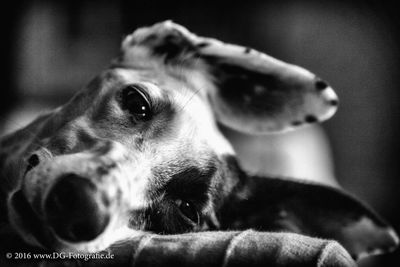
(249, 91)
(275, 204)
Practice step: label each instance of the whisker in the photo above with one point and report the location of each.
(197, 89)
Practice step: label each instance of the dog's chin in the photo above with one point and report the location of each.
(35, 232)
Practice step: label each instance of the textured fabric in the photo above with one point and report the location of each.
(229, 249)
(219, 249)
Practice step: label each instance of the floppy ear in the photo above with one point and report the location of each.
(275, 204)
(251, 92)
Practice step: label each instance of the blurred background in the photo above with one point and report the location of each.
(51, 49)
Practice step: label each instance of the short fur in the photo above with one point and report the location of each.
(172, 171)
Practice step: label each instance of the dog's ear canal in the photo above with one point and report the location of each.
(273, 204)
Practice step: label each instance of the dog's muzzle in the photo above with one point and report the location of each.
(79, 198)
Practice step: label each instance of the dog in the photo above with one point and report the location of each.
(136, 160)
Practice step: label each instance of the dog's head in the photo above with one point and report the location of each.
(140, 148)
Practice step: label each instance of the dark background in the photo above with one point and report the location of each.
(50, 49)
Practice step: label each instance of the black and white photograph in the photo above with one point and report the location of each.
(200, 133)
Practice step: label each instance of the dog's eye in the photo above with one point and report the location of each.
(188, 210)
(136, 102)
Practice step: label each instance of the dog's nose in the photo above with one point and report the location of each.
(76, 209)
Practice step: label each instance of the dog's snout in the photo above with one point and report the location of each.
(76, 209)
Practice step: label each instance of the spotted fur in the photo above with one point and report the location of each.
(252, 92)
(135, 172)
